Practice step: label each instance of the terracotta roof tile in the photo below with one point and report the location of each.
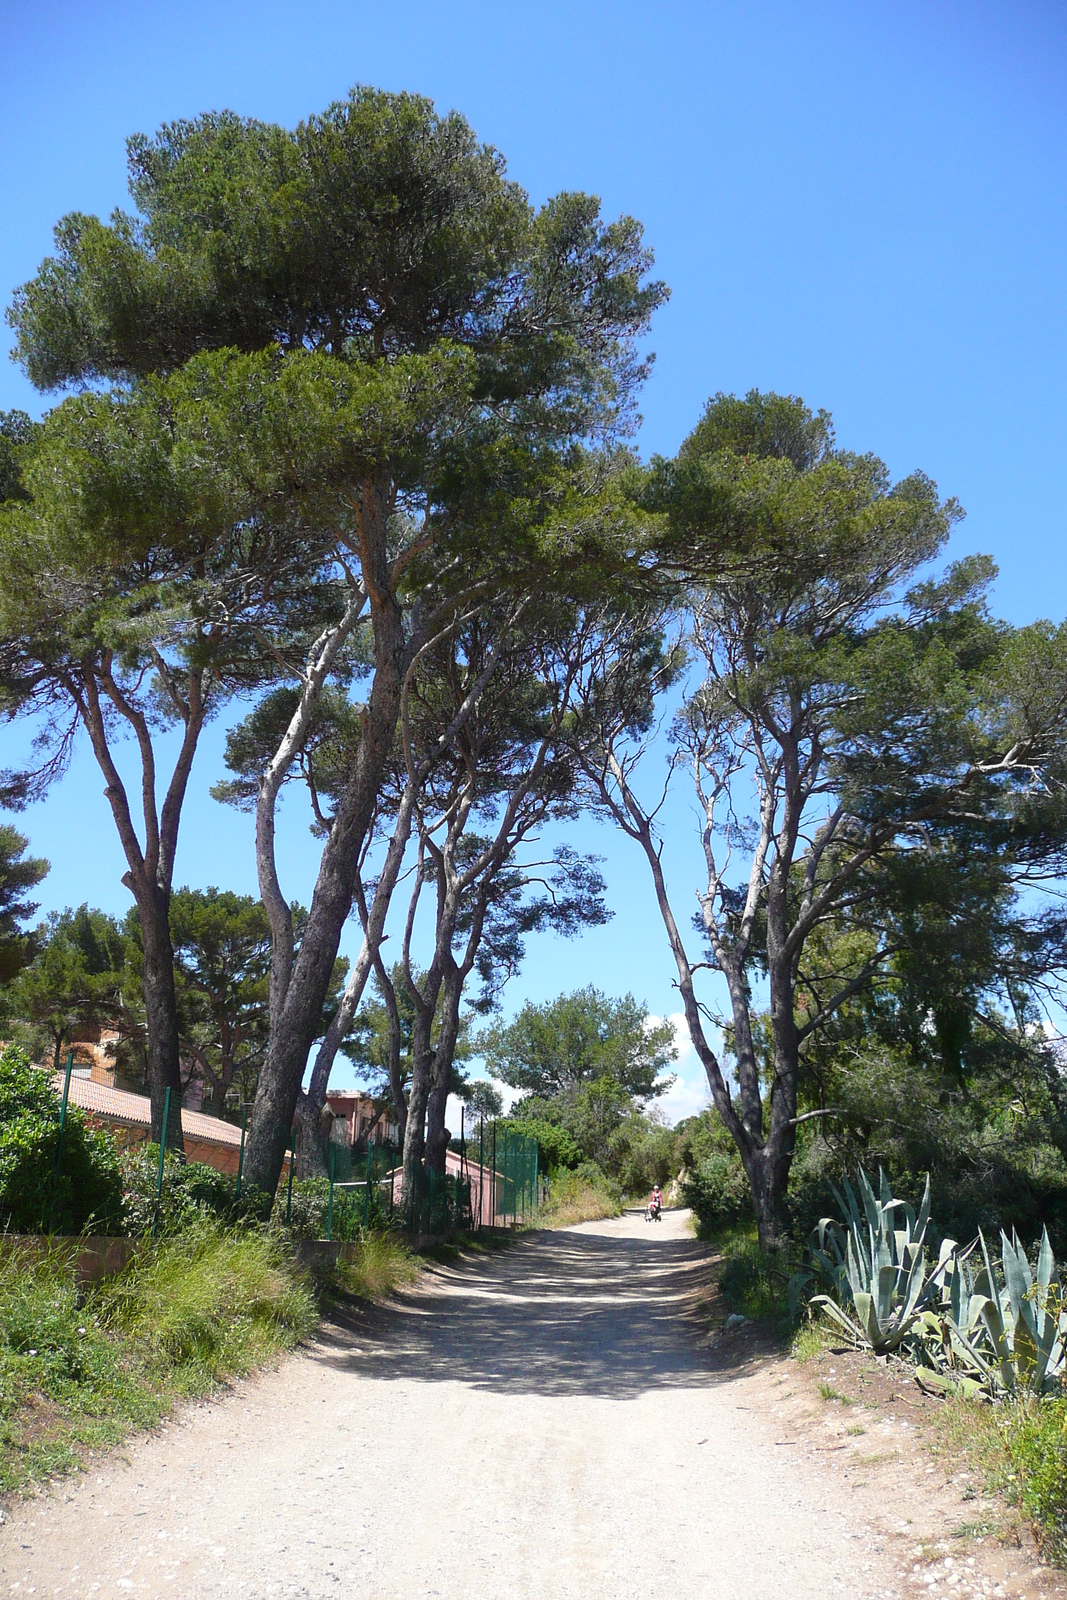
(134, 1110)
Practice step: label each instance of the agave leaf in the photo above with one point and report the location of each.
(916, 1279)
(862, 1269)
(1046, 1263)
(885, 1283)
(1027, 1358)
(867, 1318)
(993, 1320)
(870, 1204)
(843, 1320)
(1017, 1274)
(948, 1383)
(924, 1212)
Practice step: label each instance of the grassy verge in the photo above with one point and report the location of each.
(80, 1369)
(1015, 1449)
(384, 1263)
(575, 1199)
(753, 1284)
(1020, 1451)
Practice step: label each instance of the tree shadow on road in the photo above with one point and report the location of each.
(564, 1313)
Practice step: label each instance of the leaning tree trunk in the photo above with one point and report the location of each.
(437, 1135)
(296, 1013)
(311, 1124)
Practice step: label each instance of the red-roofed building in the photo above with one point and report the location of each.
(128, 1118)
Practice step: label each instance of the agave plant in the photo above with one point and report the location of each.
(1005, 1339)
(876, 1268)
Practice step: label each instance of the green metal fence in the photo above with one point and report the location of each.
(439, 1205)
(505, 1181)
(496, 1183)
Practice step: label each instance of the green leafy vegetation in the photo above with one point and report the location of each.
(41, 1189)
(1036, 1441)
(79, 1368)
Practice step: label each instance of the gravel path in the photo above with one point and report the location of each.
(543, 1423)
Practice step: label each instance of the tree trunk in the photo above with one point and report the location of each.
(161, 1011)
(437, 1135)
(296, 1013)
(415, 1130)
(310, 1134)
(368, 958)
(767, 1170)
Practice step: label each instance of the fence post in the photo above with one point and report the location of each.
(366, 1197)
(63, 1110)
(481, 1170)
(494, 1174)
(241, 1157)
(329, 1203)
(292, 1165)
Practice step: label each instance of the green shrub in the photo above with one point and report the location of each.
(585, 1195)
(87, 1191)
(641, 1153)
(192, 1190)
(382, 1263)
(753, 1283)
(309, 1211)
(556, 1147)
(188, 1310)
(1036, 1436)
(718, 1194)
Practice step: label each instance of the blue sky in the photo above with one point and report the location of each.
(860, 203)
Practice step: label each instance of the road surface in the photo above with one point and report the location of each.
(545, 1423)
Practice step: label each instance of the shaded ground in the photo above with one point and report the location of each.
(548, 1421)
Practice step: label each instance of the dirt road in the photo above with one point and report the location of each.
(544, 1423)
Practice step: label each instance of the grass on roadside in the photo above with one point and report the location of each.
(1019, 1449)
(81, 1368)
(383, 1263)
(753, 1283)
(574, 1198)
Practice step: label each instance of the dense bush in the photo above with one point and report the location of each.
(992, 1144)
(309, 1211)
(717, 1190)
(556, 1147)
(1036, 1437)
(87, 1191)
(642, 1152)
(191, 1191)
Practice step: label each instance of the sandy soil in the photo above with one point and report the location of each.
(550, 1421)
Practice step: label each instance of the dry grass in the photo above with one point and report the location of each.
(574, 1200)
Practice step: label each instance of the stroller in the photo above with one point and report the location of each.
(653, 1209)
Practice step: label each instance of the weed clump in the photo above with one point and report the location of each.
(80, 1367)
